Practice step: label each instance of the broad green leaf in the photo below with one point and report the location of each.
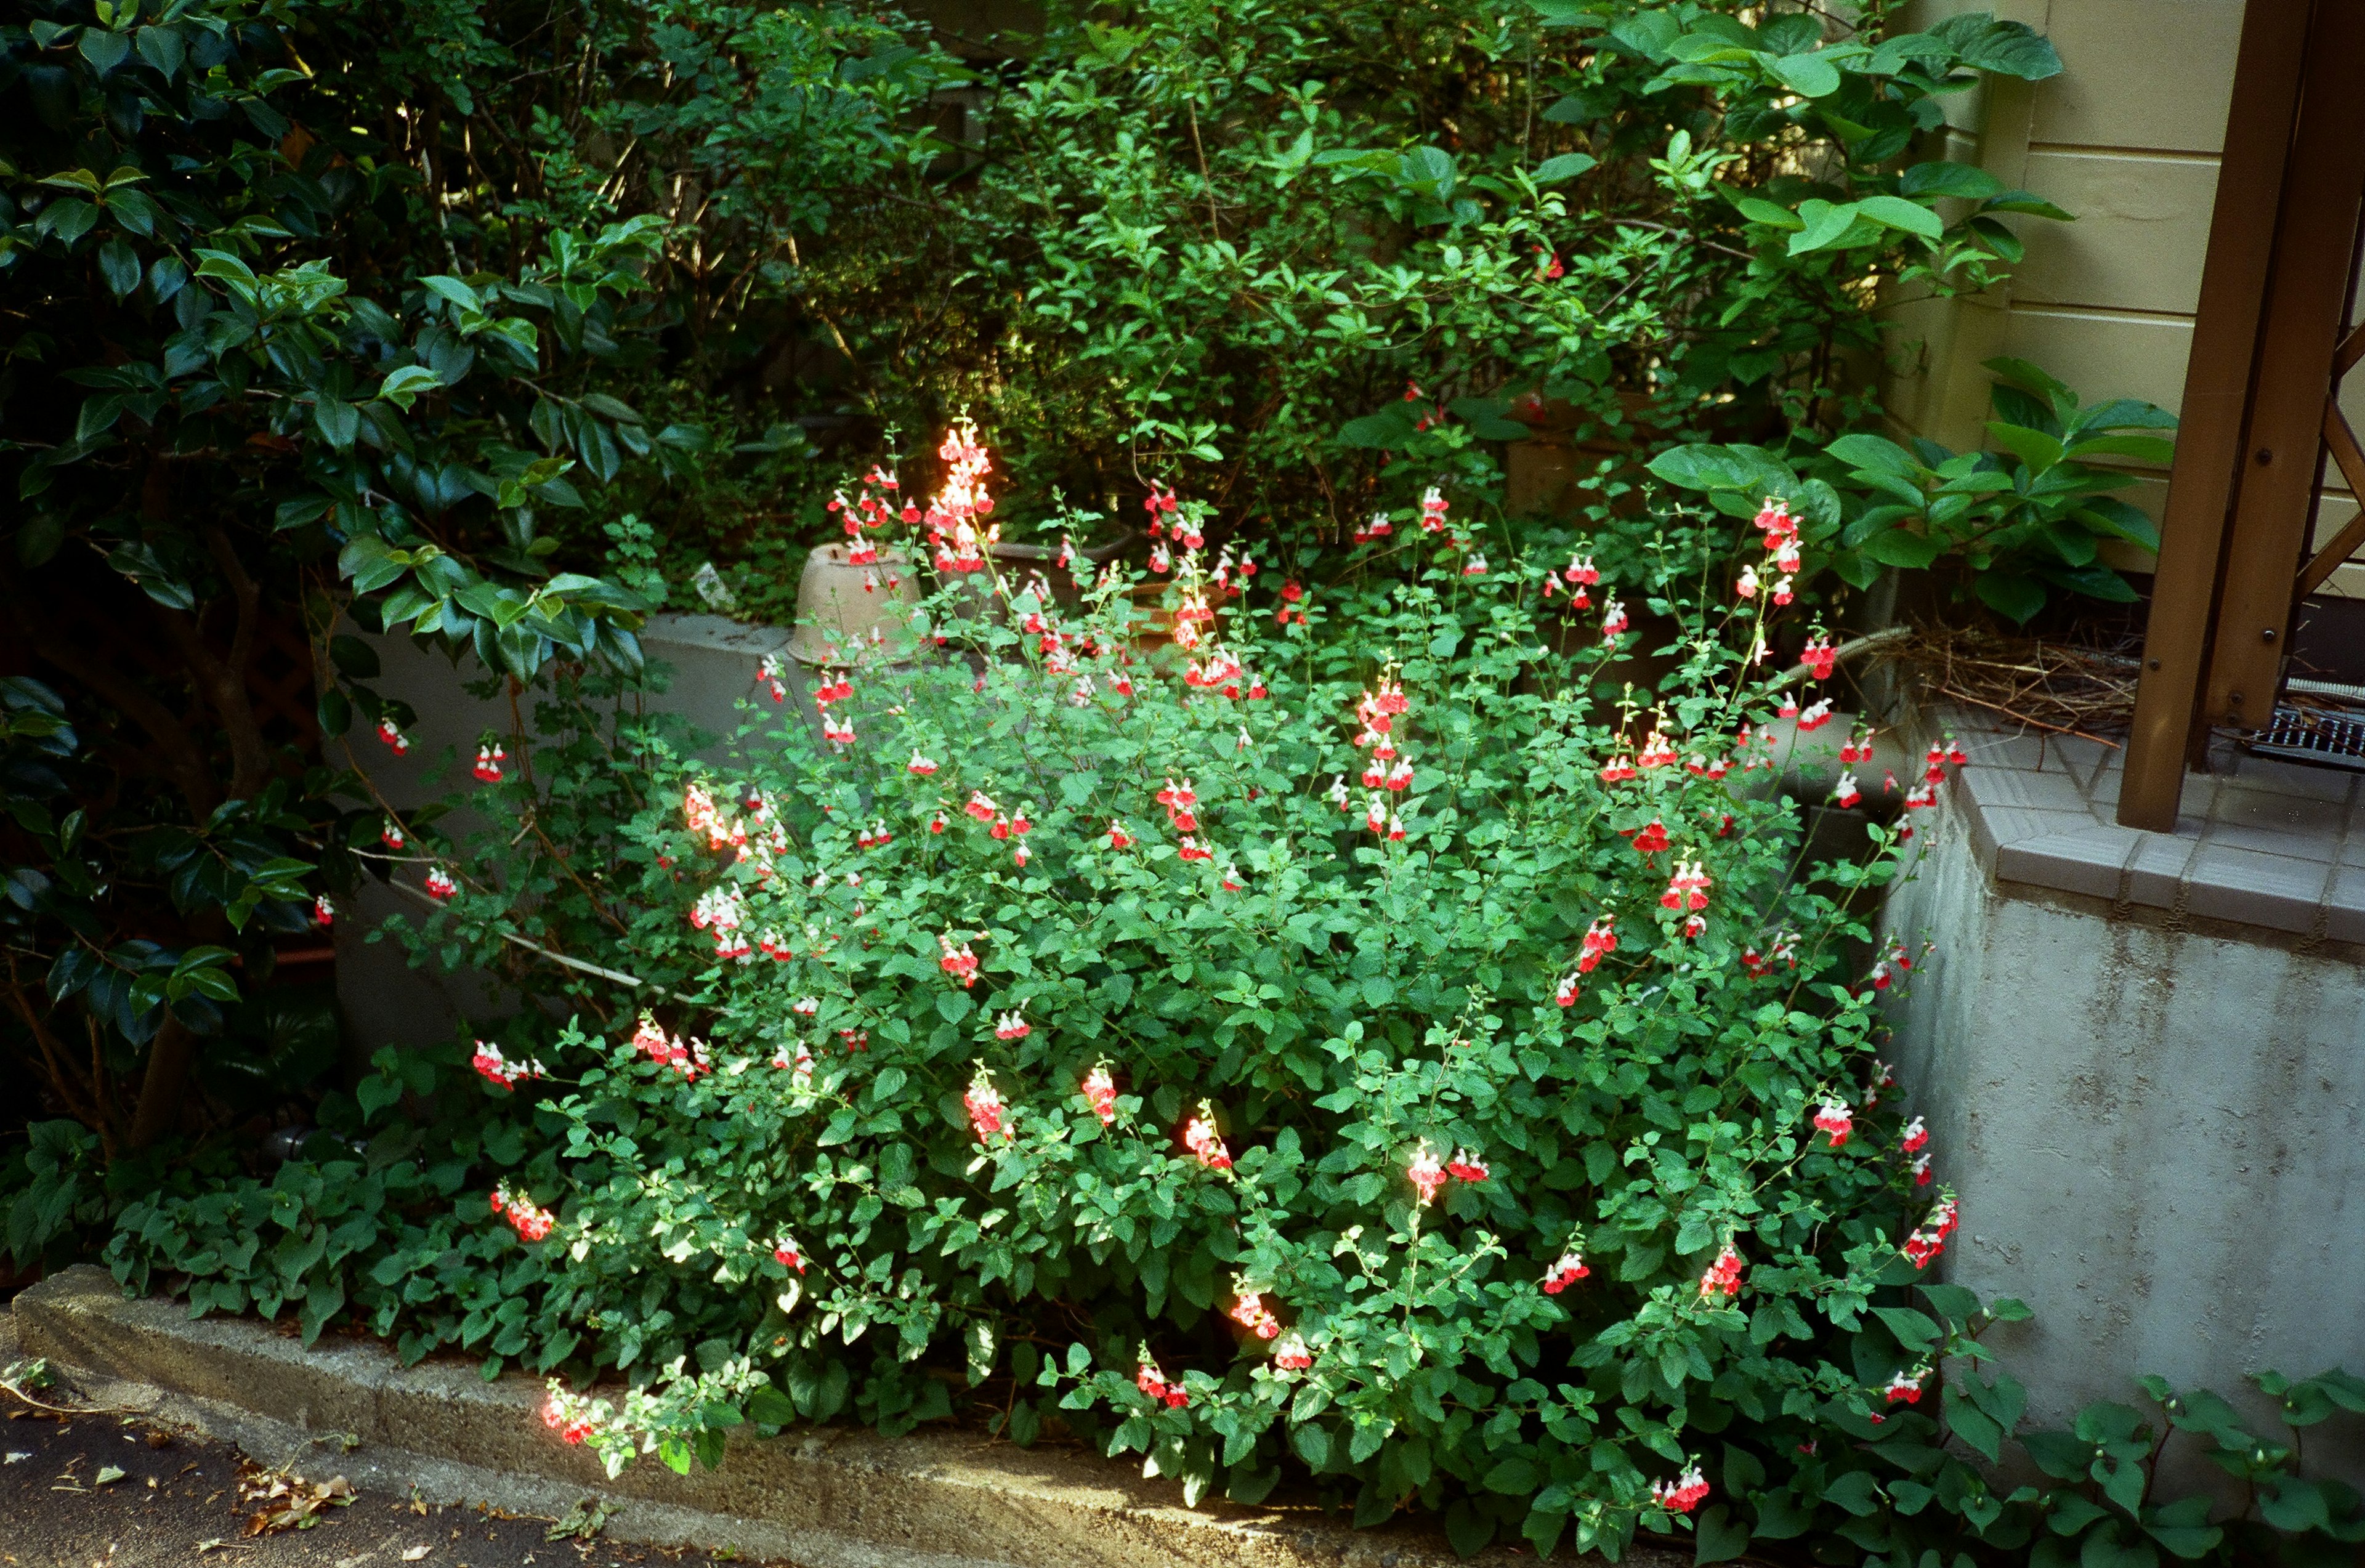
(1810, 77)
(1895, 212)
(1940, 178)
(1567, 166)
(2035, 448)
(1821, 223)
(1699, 466)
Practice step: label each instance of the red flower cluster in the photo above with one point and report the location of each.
(489, 758)
(1565, 1272)
(1100, 1092)
(1199, 1137)
(1929, 1240)
(1249, 1312)
(1152, 1382)
(440, 885)
(1836, 1118)
(571, 1426)
(531, 1223)
(1682, 1494)
(496, 1069)
(1723, 1276)
(958, 962)
(985, 1105)
(685, 1058)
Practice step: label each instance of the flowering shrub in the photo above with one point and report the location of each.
(1361, 1035)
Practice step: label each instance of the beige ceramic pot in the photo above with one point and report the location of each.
(841, 606)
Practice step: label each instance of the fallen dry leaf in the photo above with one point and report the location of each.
(416, 1552)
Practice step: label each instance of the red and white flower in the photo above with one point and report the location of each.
(1817, 715)
(1905, 1388)
(1199, 1137)
(1012, 1025)
(1152, 1382)
(1917, 1137)
(1291, 1354)
(1118, 837)
(440, 885)
(958, 962)
(1613, 621)
(785, 1253)
(985, 1105)
(1834, 1118)
(1845, 794)
(488, 763)
(391, 734)
(1100, 1092)
(1818, 656)
(1682, 1494)
(1432, 510)
(1723, 1276)
(1249, 1312)
(1425, 1173)
(324, 914)
(920, 766)
(496, 1069)
(1600, 939)
(1466, 1166)
(531, 1220)
(1566, 1271)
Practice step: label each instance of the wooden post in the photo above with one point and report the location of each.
(2208, 472)
(2315, 247)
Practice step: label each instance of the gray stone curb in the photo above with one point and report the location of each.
(820, 1498)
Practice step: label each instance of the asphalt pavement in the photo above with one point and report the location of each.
(100, 1490)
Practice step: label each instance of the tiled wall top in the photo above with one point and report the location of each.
(2275, 845)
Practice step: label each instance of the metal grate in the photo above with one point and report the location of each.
(2309, 734)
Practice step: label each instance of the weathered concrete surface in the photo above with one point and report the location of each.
(2155, 1133)
(709, 667)
(825, 1498)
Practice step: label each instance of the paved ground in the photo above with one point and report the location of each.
(182, 1499)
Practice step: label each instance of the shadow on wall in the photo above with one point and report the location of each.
(702, 667)
(2154, 1133)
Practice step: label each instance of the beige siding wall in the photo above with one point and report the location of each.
(2127, 138)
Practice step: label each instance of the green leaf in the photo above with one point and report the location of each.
(118, 265)
(1871, 452)
(1567, 166)
(1699, 466)
(2010, 48)
(1902, 547)
(1822, 223)
(1895, 212)
(104, 50)
(1384, 431)
(1428, 171)
(2035, 448)
(405, 383)
(1940, 178)
(340, 422)
(1810, 77)
(2012, 595)
(2145, 448)
(1718, 1537)
(162, 48)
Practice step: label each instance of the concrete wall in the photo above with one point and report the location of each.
(2127, 138)
(708, 665)
(2156, 1136)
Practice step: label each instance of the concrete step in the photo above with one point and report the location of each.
(827, 1498)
